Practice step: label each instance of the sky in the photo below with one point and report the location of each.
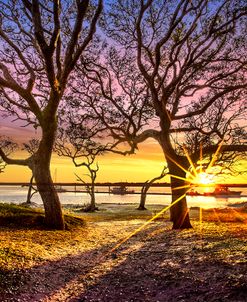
(147, 163)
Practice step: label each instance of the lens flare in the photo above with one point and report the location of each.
(193, 177)
(203, 178)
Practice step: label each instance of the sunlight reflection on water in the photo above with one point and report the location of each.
(12, 194)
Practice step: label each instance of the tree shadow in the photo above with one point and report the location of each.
(45, 280)
(157, 264)
(167, 267)
(41, 281)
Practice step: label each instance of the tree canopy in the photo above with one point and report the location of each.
(41, 42)
(174, 72)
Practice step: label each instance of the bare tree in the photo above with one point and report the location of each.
(90, 187)
(31, 147)
(9, 147)
(77, 145)
(176, 75)
(147, 186)
(41, 42)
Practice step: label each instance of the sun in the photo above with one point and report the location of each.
(203, 178)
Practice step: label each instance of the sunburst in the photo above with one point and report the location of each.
(192, 178)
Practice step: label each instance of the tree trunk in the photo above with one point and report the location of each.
(92, 206)
(146, 187)
(49, 196)
(143, 196)
(142, 202)
(40, 167)
(29, 193)
(179, 211)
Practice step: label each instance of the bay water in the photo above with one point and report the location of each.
(17, 195)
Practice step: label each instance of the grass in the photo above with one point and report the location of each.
(16, 216)
(225, 215)
(25, 240)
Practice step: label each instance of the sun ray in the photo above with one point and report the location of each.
(214, 158)
(217, 215)
(144, 225)
(237, 214)
(185, 214)
(181, 187)
(200, 157)
(177, 164)
(178, 177)
(189, 160)
(200, 221)
(200, 227)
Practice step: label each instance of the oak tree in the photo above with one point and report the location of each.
(41, 42)
(175, 72)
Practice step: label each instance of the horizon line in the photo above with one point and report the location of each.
(119, 183)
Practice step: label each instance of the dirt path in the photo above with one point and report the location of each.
(208, 263)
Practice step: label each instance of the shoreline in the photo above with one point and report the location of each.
(121, 206)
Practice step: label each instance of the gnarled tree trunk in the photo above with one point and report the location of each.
(179, 211)
(49, 196)
(40, 167)
(147, 186)
(92, 206)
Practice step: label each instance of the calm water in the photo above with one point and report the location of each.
(12, 194)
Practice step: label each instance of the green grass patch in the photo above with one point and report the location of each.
(8, 209)
(16, 216)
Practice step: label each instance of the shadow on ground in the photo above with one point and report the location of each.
(156, 264)
(173, 266)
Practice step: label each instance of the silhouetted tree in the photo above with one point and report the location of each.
(147, 186)
(90, 187)
(8, 146)
(177, 74)
(77, 145)
(31, 147)
(41, 42)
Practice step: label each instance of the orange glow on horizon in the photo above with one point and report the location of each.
(148, 162)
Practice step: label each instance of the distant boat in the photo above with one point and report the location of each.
(221, 191)
(194, 193)
(122, 190)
